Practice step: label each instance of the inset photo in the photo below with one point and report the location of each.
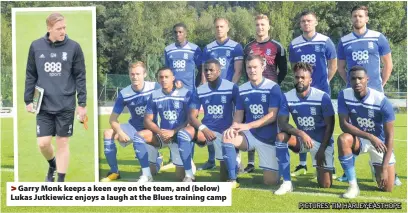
(54, 87)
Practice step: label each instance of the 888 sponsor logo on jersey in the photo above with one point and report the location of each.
(307, 123)
(223, 61)
(216, 111)
(140, 110)
(361, 57)
(367, 124)
(257, 110)
(53, 68)
(179, 65)
(308, 58)
(170, 115)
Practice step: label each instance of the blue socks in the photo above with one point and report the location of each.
(282, 153)
(230, 159)
(185, 148)
(347, 162)
(139, 145)
(211, 153)
(110, 154)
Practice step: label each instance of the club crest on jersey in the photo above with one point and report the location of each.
(223, 99)
(370, 45)
(53, 55)
(228, 53)
(263, 98)
(176, 104)
(317, 48)
(64, 56)
(313, 110)
(185, 56)
(268, 52)
(371, 113)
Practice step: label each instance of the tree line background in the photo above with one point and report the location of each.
(128, 31)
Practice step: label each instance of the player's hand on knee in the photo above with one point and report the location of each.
(231, 133)
(208, 134)
(320, 158)
(383, 178)
(30, 108)
(307, 140)
(378, 144)
(123, 137)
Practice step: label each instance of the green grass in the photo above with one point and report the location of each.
(253, 196)
(29, 27)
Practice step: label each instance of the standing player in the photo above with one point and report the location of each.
(135, 98)
(366, 48)
(56, 64)
(274, 57)
(183, 57)
(367, 119)
(171, 105)
(218, 98)
(319, 51)
(313, 113)
(259, 99)
(230, 55)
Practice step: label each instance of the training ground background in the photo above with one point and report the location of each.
(253, 196)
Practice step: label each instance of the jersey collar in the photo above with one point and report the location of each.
(138, 91)
(314, 36)
(307, 95)
(365, 97)
(360, 36)
(219, 80)
(220, 44)
(256, 87)
(179, 46)
(174, 88)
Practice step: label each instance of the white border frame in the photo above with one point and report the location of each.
(94, 70)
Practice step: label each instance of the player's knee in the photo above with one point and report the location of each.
(108, 133)
(344, 140)
(282, 137)
(270, 181)
(388, 188)
(325, 184)
(190, 130)
(44, 144)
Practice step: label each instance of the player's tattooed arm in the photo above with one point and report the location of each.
(328, 132)
(285, 126)
(150, 125)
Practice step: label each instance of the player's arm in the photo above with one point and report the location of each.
(387, 68)
(332, 68)
(284, 126)
(331, 57)
(282, 63)
(150, 113)
(389, 142)
(31, 78)
(78, 67)
(329, 121)
(113, 119)
(347, 127)
(238, 62)
(341, 62)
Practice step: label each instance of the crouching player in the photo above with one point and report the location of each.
(313, 114)
(259, 99)
(135, 98)
(171, 105)
(218, 98)
(367, 119)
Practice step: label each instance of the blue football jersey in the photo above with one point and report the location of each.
(172, 108)
(309, 112)
(226, 53)
(183, 61)
(256, 101)
(316, 52)
(218, 104)
(368, 114)
(136, 102)
(365, 50)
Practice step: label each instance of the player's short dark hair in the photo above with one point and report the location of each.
(213, 61)
(253, 57)
(308, 12)
(358, 68)
(360, 7)
(162, 69)
(181, 24)
(303, 66)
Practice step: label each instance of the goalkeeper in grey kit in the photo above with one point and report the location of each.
(56, 64)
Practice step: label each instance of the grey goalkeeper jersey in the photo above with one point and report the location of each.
(59, 68)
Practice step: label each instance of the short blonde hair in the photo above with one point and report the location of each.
(54, 18)
(261, 16)
(221, 18)
(137, 64)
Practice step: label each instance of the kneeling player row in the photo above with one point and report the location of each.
(366, 117)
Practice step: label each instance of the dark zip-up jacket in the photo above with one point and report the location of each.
(59, 68)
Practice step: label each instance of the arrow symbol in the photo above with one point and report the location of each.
(13, 188)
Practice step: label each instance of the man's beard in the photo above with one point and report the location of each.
(301, 90)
